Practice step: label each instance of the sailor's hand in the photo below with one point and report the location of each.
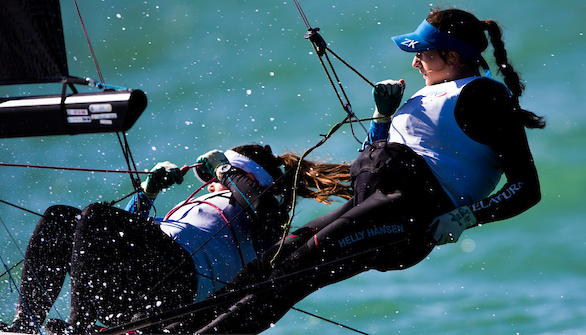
(209, 164)
(163, 175)
(448, 227)
(387, 98)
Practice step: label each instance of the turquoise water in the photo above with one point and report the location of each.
(220, 74)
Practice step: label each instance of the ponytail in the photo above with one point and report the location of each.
(512, 79)
(318, 181)
(467, 28)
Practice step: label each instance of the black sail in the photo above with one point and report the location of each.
(32, 50)
(32, 46)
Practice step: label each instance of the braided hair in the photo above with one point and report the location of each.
(467, 28)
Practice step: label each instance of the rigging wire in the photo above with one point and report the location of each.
(89, 43)
(34, 274)
(320, 47)
(302, 15)
(132, 171)
(328, 320)
(19, 207)
(8, 271)
(71, 168)
(13, 284)
(134, 178)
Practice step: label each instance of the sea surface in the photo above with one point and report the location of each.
(224, 73)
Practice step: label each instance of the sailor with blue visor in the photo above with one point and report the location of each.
(428, 171)
(427, 37)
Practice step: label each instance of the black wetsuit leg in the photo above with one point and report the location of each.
(46, 263)
(124, 266)
(359, 240)
(386, 231)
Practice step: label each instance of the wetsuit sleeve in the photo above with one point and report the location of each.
(140, 204)
(485, 112)
(377, 131)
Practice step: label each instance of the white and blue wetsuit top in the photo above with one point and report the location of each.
(467, 170)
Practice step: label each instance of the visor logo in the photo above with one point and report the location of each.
(410, 43)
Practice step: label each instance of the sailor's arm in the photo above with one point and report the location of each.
(521, 191)
(161, 176)
(486, 113)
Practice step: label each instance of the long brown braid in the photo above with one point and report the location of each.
(467, 28)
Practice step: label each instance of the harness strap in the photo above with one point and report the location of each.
(228, 223)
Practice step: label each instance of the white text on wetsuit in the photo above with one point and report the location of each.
(361, 235)
(495, 200)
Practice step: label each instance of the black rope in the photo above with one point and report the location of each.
(330, 321)
(320, 48)
(302, 15)
(134, 178)
(129, 160)
(11, 268)
(35, 166)
(21, 208)
(350, 67)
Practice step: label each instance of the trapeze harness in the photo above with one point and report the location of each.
(217, 258)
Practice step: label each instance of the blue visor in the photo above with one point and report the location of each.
(428, 37)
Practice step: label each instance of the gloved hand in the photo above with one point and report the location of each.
(210, 162)
(448, 227)
(387, 98)
(163, 175)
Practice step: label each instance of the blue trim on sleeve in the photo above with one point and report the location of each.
(145, 204)
(378, 131)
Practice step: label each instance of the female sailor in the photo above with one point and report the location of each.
(423, 176)
(124, 264)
